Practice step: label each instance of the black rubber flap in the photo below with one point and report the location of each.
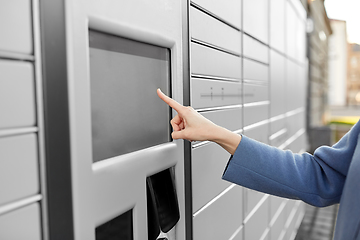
(164, 199)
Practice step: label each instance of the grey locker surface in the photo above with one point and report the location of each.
(278, 224)
(277, 25)
(259, 133)
(255, 50)
(256, 225)
(255, 92)
(252, 199)
(277, 84)
(23, 223)
(208, 164)
(290, 30)
(221, 219)
(293, 218)
(300, 40)
(255, 114)
(280, 138)
(291, 91)
(219, 34)
(275, 203)
(228, 118)
(277, 125)
(16, 27)
(18, 167)
(255, 71)
(17, 94)
(210, 62)
(228, 10)
(239, 234)
(212, 93)
(255, 17)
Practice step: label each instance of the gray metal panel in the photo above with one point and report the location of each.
(291, 19)
(277, 84)
(17, 94)
(277, 25)
(256, 18)
(222, 218)
(275, 203)
(228, 118)
(276, 126)
(255, 92)
(278, 224)
(252, 199)
(23, 223)
(18, 168)
(255, 71)
(255, 50)
(212, 62)
(291, 89)
(16, 26)
(228, 10)
(255, 114)
(210, 93)
(259, 133)
(258, 222)
(219, 34)
(208, 163)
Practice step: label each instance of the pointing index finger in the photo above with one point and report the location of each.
(171, 102)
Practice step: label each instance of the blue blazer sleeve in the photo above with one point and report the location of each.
(316, 179)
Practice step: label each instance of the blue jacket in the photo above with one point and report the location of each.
(331, 175)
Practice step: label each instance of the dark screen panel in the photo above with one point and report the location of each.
(126, 113)
(119, 228)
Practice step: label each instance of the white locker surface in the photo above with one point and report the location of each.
(16, 27)
(259, 133)
(239, 234)
(210, 62)
(255, 50)
(18, 167)
(277, 125)
(256, 225)
(275, 203)
(278, 225)
(255, 71)
(219, 34)
(256, 18)
(280, 138)
(252, 199)
(221, 219)
(228, 118)
(17, 94)
(277, 25)
(255, 92)
(208, 165)
(211, 93)
(228, 10)
(291, 20)
(255, 114)
(277, 84)
(23, 223)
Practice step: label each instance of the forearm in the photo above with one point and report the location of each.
(226, 139)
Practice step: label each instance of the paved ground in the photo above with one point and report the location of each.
(318, 223)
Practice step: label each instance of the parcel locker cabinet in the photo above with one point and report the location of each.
(117, 54)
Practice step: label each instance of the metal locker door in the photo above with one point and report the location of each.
(115, 52)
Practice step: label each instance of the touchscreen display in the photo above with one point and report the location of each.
(126, 113)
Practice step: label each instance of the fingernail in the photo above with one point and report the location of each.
(159, 90)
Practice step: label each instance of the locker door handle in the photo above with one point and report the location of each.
(162, 203)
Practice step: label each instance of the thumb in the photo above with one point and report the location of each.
(178, 134)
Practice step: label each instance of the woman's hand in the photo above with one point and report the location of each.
(188, 124)
(192, 126)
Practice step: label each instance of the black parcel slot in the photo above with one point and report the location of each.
(162, 203)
